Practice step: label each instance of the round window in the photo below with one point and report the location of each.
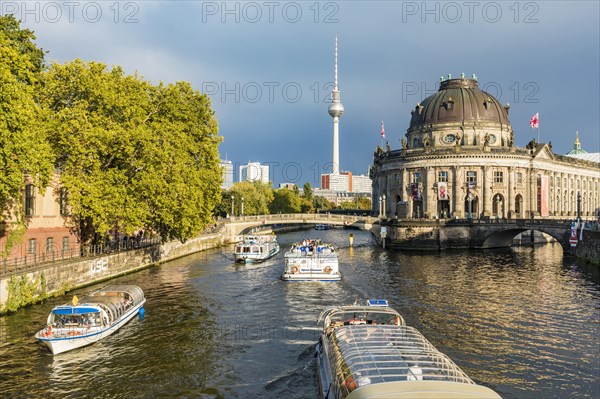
(449, 138)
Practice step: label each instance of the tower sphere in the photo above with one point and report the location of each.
(336, 110)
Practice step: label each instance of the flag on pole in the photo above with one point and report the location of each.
(382, 130)
(535, 121)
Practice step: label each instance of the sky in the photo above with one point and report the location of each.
(268, 66)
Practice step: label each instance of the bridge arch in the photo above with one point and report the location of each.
(504, 237)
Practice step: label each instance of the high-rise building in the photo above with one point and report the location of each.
(254, 171)
(227, 174)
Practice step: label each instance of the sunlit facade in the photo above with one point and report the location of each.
(458, 159)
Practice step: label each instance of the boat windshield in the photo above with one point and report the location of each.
(64, 320)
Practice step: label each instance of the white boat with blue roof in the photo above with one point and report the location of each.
(91, 318)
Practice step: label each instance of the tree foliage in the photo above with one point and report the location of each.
(285, 201)
(256, 197)
(23, 146)
(307, 191)
(132, 155)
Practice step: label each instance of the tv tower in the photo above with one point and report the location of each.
(336, 109)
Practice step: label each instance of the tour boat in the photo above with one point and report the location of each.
(256, 248)
(311, 260)
(322, 226)
(368, 352)
(91, 318)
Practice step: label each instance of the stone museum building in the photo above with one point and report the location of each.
(458, 159)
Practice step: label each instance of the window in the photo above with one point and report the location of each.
(472, 178)
(63, 202)
(32, 246)
(65, 244)
(443, 176)
(498, 177)
(416, 177)
(50, 244)
(519, 177)
(29, 200)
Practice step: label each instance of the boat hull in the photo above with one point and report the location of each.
(64, 344)
(305, 277)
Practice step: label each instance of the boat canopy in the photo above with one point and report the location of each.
(136, 293)
(374, 354)
(74, 310)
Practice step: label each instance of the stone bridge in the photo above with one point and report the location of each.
(237, 225)
(413, 234)
(461, 234)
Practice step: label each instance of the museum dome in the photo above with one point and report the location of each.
(459, 101)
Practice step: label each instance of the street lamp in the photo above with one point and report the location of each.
(578, 207)
(232, 204)
(383, 205)
(242, 206)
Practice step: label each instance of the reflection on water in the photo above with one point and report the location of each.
(522, 321)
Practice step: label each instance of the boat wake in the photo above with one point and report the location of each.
(294, 383)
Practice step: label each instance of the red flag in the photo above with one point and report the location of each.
(535, 121)
(382, 130)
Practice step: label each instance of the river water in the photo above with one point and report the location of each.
(522, 321)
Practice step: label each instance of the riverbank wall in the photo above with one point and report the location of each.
(22, 289)
(588, 248)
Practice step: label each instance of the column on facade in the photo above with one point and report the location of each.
(529, 188)
(431, 197)
(458, 200)
(510, 200)
(486, 193)
(405, 187)
(560, 195)
(388, 196)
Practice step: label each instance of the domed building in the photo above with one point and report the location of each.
(458, 159)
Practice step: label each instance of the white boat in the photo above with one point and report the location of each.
(311, 260)
(256, 248)
(369, 352)
(91, 318)
(322, 226)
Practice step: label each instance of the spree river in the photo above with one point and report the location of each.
(522, 321)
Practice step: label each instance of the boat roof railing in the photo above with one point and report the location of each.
(331, 312)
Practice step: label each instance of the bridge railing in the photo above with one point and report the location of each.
(523, 223)
(317, 217)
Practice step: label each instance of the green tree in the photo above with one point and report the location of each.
(306, 206)
(256, 197)
(322, 204)
(307, 191)
(132, 155)
(23, 146)
(285, 201)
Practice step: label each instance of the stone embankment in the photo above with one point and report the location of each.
(588, 248)
(21, 289)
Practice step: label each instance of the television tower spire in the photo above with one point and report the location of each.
(336, 109)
